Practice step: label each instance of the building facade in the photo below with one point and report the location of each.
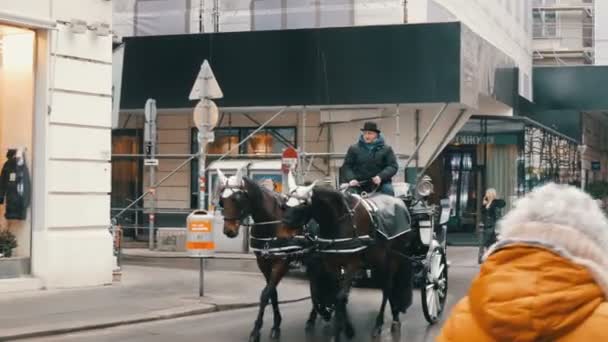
(55, 110)
(564, 31)
(470, 58)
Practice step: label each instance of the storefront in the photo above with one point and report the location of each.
(512, 155)
(55, 138)
(17, 65)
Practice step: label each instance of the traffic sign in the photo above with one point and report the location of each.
(151, 162)
(205, 86)
(205, 113)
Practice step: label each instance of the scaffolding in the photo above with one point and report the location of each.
(305, 164)
(561, 54)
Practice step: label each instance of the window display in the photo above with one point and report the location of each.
(17, 62)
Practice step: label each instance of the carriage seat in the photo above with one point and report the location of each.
(389, 214)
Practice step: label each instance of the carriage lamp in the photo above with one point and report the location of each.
(424, 187)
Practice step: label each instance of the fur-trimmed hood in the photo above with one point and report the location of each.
(564, 220)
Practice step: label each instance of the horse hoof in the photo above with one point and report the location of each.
(310, 325)
(254, 337)
(275, 333)
(396, 327)
(377, 331)
(349, 331)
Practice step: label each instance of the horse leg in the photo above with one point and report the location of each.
(313, 275)
(279, 270)
(342, 318)
(265, 267)
(386, 294)
(380, 319)
(312, 318)
(401, 300)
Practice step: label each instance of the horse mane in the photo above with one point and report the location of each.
(259, 194)
(330, 196)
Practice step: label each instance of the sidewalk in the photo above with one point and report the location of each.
(144, 294)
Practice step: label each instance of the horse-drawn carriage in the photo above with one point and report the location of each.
(354, 230)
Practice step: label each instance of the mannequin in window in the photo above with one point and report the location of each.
(15, 186)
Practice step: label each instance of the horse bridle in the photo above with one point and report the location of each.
(242, 211)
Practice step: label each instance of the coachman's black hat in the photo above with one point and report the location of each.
(370, 126)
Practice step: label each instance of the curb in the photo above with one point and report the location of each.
(139, 320)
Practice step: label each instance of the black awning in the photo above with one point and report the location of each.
(571, 88)
(414, 63)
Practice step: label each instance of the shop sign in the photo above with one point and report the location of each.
(473, 140)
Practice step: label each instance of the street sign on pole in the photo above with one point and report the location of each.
(205, 116)
(205, 86)
(289, 160)
(205, 113)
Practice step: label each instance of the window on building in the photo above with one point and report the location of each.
(271, 140)
(545, 20)
(267, 141)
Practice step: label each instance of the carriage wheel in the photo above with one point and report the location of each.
(434, 291)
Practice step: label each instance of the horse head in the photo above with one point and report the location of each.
(233, 199)
(298, 207)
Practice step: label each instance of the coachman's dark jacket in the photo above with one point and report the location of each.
(365, 161)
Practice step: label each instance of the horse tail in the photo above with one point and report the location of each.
(402, 291)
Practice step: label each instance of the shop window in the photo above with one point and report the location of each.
(17, 83)
(127, 178)
(269, 141)
(225, 140)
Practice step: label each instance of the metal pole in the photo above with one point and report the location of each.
(301, 166)
(203, 138)
(426, 134)
(417, 117)
(150, 138)
(152, 214)
(201, 285)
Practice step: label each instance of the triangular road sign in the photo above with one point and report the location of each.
(206, 85)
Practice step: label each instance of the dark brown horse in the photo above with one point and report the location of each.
(240, 198)
(346, 242)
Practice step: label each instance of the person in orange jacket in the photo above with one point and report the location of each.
(546, 279)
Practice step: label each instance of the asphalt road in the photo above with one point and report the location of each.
(235, 325)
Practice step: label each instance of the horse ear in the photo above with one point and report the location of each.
(239, 175)
(221, 177)
(291, 182)
(311, 186)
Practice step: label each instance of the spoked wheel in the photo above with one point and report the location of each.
(434, 291)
